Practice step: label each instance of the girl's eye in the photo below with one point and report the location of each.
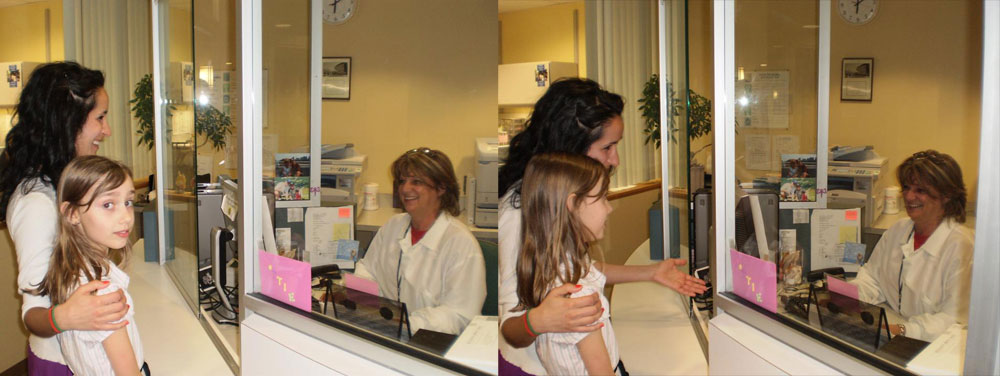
(129, 203)
(108, 205)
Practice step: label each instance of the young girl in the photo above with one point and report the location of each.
(564, 208)
(95, 202)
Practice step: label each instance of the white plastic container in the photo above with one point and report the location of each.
(371, 196)
(891, 200)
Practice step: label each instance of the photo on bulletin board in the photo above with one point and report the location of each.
(291, 180)
(798, 178)
(856, 79)
(13, 76)
(541, 75)
(337, 78)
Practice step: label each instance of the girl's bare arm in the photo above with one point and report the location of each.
(595, 355)
(119, 349)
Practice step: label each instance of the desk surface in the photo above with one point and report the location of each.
(372, 220)
(651, 324)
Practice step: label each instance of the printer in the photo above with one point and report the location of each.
(340, 169)
(485, 211)
(862, 171)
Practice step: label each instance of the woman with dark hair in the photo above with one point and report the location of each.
(575, 116)
(922, 265)
(60, 115)
(426, 257)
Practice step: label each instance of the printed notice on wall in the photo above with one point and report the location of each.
(762, 100)
(783, 144)
(758, 151)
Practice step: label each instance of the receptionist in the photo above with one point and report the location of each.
(426, 257)
(922, 265)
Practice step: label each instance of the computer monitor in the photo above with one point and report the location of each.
(746, 230)
(702, 228)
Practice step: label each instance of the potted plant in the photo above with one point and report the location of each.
(699, 112)
(209, 122)
(699, 124)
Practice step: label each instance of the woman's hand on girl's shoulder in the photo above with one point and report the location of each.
(559, 313)
(85, 310)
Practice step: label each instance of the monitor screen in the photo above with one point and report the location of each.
(746, 238)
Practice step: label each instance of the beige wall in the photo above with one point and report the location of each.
(23, 30)
(544, 34)
(927, 82)
(424, 74)
(11, 327)
(927, 78)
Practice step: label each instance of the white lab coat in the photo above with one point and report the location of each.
(443, 276)
(935, 278)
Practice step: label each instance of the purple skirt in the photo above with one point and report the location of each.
(508, 368)
(41, 367)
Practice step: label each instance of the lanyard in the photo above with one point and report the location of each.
(399, 264)
(900, 280)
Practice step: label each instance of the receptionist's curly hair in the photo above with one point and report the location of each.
(433, 165)
(941, 172)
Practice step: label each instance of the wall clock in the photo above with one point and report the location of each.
(857, 12)
(339, 11)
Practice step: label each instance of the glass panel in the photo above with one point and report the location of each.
(783, 212)
(217, 108)
(416, 91)
(178, 115)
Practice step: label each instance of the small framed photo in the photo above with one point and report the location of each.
(856, 79)
(337, 78)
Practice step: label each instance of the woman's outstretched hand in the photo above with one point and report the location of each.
(667, 274)
(84, 310)
(558, 313)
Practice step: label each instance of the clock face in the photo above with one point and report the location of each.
(857, 12)
(339, 11)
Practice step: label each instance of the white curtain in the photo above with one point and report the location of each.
(622, 54)
(114, 36)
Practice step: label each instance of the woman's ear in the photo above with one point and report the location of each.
(72, 216)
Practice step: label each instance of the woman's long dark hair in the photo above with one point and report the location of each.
(53, 107)
(567, 119)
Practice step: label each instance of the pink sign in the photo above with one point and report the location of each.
(755, 280)
(286, 280)
(841, 287)
(365, 285)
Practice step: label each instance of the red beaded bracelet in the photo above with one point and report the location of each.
(527, 325)
(52, 320)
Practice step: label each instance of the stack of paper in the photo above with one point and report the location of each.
(476, 347)
(944, 356)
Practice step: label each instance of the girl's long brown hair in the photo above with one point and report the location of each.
(555, 246)
(76, 253)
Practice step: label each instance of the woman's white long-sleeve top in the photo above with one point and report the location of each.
(442, 278)
(929, 286)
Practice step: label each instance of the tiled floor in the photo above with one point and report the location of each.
(173, 340)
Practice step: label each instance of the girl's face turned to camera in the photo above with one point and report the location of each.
(594, 212)
(108, 221)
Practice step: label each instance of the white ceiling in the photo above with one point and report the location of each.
(10, 3)
(505, 6)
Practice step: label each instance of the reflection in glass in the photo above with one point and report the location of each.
(178, 175)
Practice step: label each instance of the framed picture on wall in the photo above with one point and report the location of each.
(856, 79)
(337, 78)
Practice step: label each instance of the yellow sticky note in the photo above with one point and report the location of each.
(341, 231)
(848, 234)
